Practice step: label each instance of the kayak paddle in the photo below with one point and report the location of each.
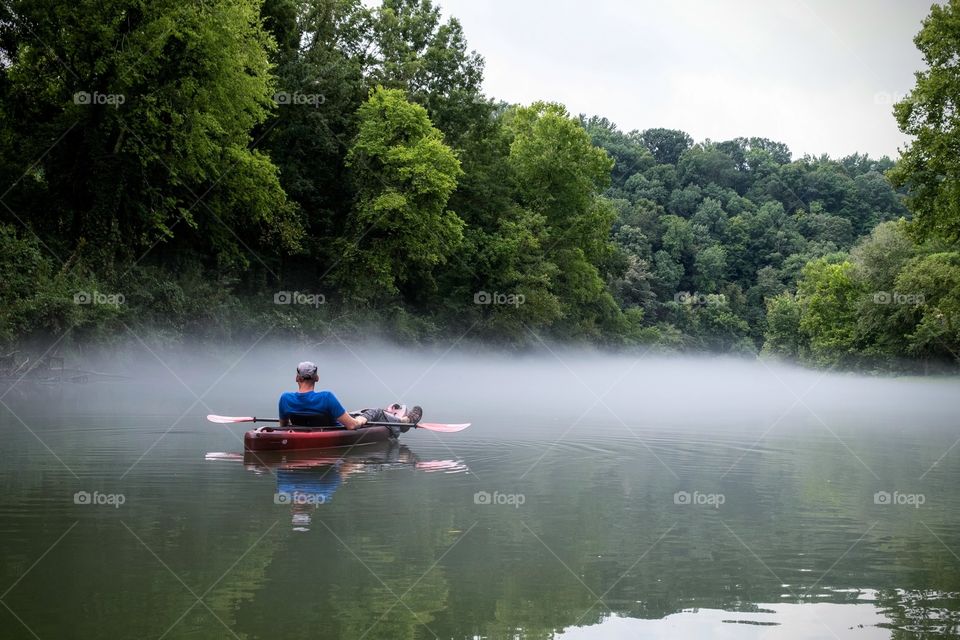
(430, 426)
(229, 419)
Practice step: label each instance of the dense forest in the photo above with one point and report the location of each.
(222, 168)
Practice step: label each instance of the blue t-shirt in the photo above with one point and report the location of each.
(310, 403)
(309, 486)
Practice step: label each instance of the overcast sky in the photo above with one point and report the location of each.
(819, 75)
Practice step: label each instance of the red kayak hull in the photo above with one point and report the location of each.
(287, 440)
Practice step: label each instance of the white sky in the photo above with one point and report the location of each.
(819, 75)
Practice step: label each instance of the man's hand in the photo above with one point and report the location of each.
(350, 422)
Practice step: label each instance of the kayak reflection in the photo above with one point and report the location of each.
(308, 479)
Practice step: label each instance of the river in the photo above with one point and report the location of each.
(594, 496)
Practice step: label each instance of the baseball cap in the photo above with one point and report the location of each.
(307, 369)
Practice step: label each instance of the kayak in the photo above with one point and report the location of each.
(371, 457)
(373, 453)
(277, 439)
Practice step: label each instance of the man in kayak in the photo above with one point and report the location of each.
(310, 408)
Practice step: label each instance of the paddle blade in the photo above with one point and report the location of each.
(218, 455)
(443, 428)
(228, 419)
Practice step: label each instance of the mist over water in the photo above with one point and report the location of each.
(578, 388)
(646, 494)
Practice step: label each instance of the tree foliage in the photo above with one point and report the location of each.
(403, 175)
(140, 119)
(202, 156)
(930, 165)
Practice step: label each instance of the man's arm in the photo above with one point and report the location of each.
(350, 422)
(280, 411)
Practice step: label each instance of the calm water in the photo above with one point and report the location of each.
(593, 497)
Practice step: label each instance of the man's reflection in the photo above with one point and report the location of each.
(308, 479)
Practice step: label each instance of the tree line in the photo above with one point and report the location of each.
(223, 166)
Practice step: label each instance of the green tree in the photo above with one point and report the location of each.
(318, 63)
(37, 295)
(629, 154)
(677, 238)
(633, 241)
(929, 167)
(152, 105)
(823, 227)
(828, 296)
(667, 274)
(783, 337)
(706, 163)
(684, 201)
(710, 323)
(503, 250)
(712, 217)
(879, 258)
(655, 184)
(403, 175)
(666, 145)
(413, 49)
(561, 175)
(710, 266)
(633, 288)
(881, 255)
(721, 329)
(928, 291)
(875, 202)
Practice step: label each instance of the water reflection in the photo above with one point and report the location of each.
(845, 613)
(307, 480)
(755, 521)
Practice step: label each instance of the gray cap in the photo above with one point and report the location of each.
(307, 369)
